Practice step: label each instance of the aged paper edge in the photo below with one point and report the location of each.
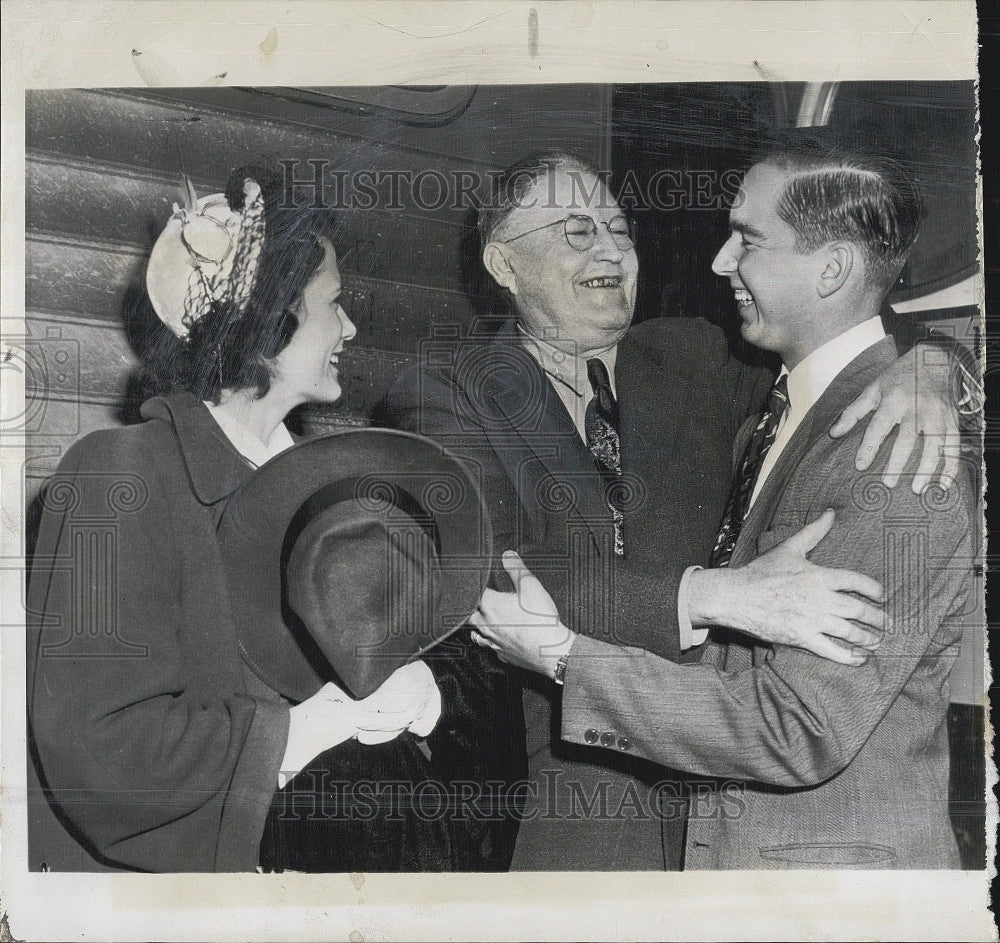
(90, 44)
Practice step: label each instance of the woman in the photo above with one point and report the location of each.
(163, 751)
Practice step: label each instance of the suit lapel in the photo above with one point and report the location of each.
(546, 434)
(868, 365)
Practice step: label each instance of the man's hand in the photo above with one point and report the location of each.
(916, 404)
(522, 627)
(783, 598)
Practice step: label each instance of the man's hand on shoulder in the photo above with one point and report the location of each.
(916, 396)
(782, 598)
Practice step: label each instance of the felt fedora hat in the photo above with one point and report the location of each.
(351, 554)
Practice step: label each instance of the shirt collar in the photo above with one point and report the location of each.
(564, 368)
(808, 381)
(245, 442)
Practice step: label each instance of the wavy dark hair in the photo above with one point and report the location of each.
(226, 351)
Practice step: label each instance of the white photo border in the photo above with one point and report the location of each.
(49, 44)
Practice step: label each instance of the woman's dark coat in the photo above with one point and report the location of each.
(159, 747)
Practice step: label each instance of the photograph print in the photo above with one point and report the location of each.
(504, 478)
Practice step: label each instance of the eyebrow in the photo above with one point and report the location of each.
(745, 229)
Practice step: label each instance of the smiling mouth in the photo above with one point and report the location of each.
(604, 281)
(743, 298)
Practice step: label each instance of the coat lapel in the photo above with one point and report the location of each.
(868, 365)
(545, 432)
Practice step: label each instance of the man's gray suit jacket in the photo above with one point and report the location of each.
(807, 763)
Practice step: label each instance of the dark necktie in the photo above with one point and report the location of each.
(601, 423)
(738, 505)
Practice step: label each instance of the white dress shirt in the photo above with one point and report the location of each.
(807, 382)
(568, 375)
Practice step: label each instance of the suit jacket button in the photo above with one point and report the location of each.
(607, 739)
(591, 736)
(624, 743)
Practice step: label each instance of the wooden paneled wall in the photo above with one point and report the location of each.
(103, 168)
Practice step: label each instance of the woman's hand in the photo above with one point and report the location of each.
(915, 394)
(522, 627)
(408, 700)
(408, 697)
(318, 724)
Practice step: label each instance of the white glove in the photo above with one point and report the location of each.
(409, 698)
(325, 720)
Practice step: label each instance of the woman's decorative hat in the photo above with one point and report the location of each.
(208, 253)
(349, 555)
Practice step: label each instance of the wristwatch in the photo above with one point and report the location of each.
(560, 675)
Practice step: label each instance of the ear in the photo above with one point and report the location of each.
(498, 265)
(838, 263)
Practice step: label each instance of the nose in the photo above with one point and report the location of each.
(347, 327)
(727, 258)
(605, 247)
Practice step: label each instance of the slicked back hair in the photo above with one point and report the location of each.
(511, 187)
(838, 192)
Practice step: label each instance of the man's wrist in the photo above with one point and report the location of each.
(959, 372)
(688, 636)
(703, 597)
(558, 668)
(966, 390)
(707, 595)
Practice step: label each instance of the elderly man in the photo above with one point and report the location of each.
(813, 763)
(604, 457)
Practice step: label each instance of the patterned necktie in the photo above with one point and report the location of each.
(601, 423)
(738, 505)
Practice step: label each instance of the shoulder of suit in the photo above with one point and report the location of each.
(837, 456)
(827, 475)
(868, 366)
(683, 336)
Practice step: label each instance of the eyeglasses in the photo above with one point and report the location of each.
(581, 231)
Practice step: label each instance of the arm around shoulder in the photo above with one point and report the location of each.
(792, 718)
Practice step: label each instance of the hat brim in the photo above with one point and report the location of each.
(252, 533)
